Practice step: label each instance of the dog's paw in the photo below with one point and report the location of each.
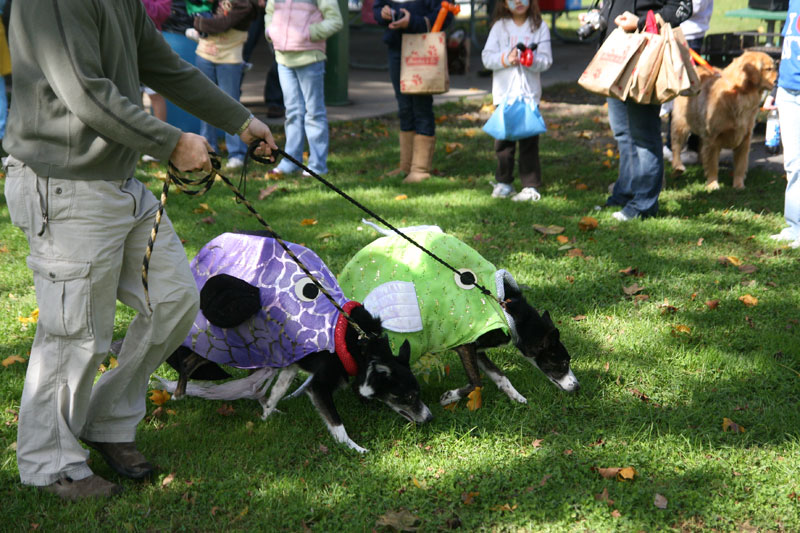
(449, 397)
(739, 186)
(712, 185)
(677, 170)
(267, 412)
(518, 398)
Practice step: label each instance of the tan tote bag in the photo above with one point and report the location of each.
(423, 64)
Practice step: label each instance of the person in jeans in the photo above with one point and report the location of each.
(219, 56)
(788, 101)
(298, 30)
(75, 133)
(637, 127)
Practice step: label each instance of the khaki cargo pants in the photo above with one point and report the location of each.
(84, 257)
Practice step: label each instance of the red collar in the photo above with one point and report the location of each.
(344, 354)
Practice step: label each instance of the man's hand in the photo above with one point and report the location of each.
(402, 22)
(258, 131)
(386, 13)
(627, 21)
(191, 153)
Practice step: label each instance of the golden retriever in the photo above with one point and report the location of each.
(723, 114)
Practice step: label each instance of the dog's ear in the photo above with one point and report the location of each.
(227, 301)
(404, 356)
(553, 337)
(747, 77)
(547, 319)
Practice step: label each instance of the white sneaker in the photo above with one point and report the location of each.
(619, 215)
(527, 194)
(234, 163)
(786, 234)
(667, 152)
(502, 190)
(689, 157)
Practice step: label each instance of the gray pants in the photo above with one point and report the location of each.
(88, 256)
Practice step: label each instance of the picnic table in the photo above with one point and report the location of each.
(769, 17)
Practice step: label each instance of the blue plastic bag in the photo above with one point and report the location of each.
(517, 116)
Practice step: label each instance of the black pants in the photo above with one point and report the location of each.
(530, 171)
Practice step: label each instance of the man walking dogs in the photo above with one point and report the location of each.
(76, 130)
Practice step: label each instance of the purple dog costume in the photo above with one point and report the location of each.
(295, 318)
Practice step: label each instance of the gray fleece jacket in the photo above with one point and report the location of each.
(77, 109)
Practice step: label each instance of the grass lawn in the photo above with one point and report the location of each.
(660, 368)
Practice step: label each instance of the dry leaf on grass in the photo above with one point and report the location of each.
(607, 473)
(401, 520)
(712, 304)
(474, 400)
(263, 193)
(226, 409)
(308, 222)
(203, 208)
(747, 269)
(208, 220)
(169, 478)
(575, 252)
(726, 260)
(631, 271)
(581, 186)
(537, 443)
(632, 289)
(660, 501)
(730, 425)
(11, 359)
(749, 300)
(603, 497)
(401, 197)
(548, 230)
(626, 474)
(467, 498)
(587, 223)
(563, 239)
(680, 328)
(451, 406)
(33, 318)
(578, 318)
(159, 397)
(452, 147)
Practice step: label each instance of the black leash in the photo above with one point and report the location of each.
(205, 183)
(467, 278)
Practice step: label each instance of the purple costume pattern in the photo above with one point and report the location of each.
(288, 326)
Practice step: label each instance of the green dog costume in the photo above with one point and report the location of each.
(420, 300)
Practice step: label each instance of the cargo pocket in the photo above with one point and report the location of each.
(63, 292)
(18, 198)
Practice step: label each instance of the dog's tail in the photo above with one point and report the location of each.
(253, 386)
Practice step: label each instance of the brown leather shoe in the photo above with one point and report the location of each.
(123, 458)
(91, 487)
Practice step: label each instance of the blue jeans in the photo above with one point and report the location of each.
(414, 110)
(637, 129)
(306, 116)
(3, 107)
(228, 77)
(789, 115)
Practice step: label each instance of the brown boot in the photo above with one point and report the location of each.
(123, 458)
(90, 487)
(406, 149)
(422, 159)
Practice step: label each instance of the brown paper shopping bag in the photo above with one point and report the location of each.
(668, 86)
(643, 78)
(691, 84)
(609, 71)
(423, 64)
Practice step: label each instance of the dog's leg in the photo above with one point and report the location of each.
(322, 398)
(709, 153)
(278, 391)
(469, 358)
(679, 132)
(741, 154)
(499, 379)
(186, 367)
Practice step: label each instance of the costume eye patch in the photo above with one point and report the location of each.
(306, 291)
(465, 278)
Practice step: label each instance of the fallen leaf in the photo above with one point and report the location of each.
(585, 134)
(226, 409)
(606, 366)
(159, 397)
(728, 424)
(489, 108)
(441, 119)
(263, 193)
(575, 252)
(451, 406)
(641, 297)
(581, 186)
(325, 235)
(474, 400)
(401, 520)
(323, 449)
(632, 289)
(726, 260)
(608, 473)
(471, 132)
(3, 249)
(578, 318)
(415, 482)
(603, 497)
(747, 269)
(680, 328)
(607, 163)
(168, 479)
(626, 474)
(33, 318)
(615, 513)
(567, 452)
(308, 222)
(548, 230)
(504, 507)
(587, 223)
(631, 271)
(214, 510)
(543, 482)
(112, 362)
(203, 208)
(537, 443)
(468, 497)
(660, 501)
(563, 239)
(700, 241)
(401, 197)
(208, 220)
(11, 359)
(749, 300)
(452, 147)
(712, 304)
